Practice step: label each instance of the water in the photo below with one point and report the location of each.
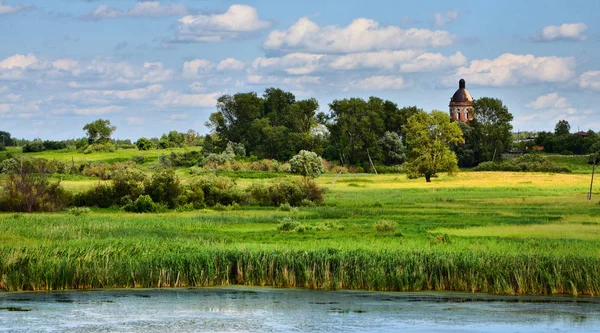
(240, 309)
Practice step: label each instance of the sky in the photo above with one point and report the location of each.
(155, 66)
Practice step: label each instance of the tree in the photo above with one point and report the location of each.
(99, 131)
(6, 139)
(307, 164)
(393, 149)
(429, 136)
(562, 128)
(144, 144)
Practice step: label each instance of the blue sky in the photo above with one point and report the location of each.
(155, 66)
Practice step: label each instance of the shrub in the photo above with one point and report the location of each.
(128, 183)
(138, 159)
(385, 226)
(307, 164)
(100, 147)
(30, 192)
(77, 211)
(220, 190)
(287, 224)
(102, 195)
(9, 165)
(293, 192)
(144, 144)
(286, 207)
(164, 187)
(2, 146)
(33, 147)
(524, 163)
(143, 204)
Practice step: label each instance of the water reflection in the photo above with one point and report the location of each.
(284, 310)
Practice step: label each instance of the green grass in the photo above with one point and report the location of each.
(516, 233)
(576, 163)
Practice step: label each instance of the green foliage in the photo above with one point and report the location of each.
(562, 128)
(99, 131)
(307, 164)
(143, 204)
(429, 136)
(294, 193)
(102, 195)
(6, 140)
(32, 192)
(394, 151)
(139, 159)
(100, 147)
(272, 126)
(164, 187)
(524, 163)
(144, 144)
(78, 211)
(287, 224)
(385, 226)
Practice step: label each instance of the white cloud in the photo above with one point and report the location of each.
(19, 61)
(381, 59)
(230, 64)
(174, 98)
(106, 96)
(8, 9)
(236, 21)
(97, 110)
(13, 97)
(295, 63)
(551, 100)
(379, 83)
(66, 64)
(362, 35)
(590, 80)
(513, 69)
(441, 19)
(196, 67)
(135, 121)
(433, 61)
(567, 31)
(107, 73)
(140, 9)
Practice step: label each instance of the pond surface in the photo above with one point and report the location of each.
(242, 309)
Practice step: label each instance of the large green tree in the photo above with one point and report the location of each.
(99, 131)
(487, 135)
(562, 128)
(429, 137)
(275, 125)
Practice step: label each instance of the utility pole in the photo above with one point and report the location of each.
(592, 181)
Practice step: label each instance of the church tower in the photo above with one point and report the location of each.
(461, 104)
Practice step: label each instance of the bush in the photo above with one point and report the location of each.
(2, 146)
(100, 147)
(287, 224)
(164, 187)
(524, 163)
(102, 195)
(128, 184)
(143, 204)
(292, 192)
(138, 159)
(77, 211)
(30, 192)
(385, 226)
(33, 147)
(218, 190)
(144, 144)
(307, 164)
(286, 207)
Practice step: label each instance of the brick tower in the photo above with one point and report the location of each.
(461, 104)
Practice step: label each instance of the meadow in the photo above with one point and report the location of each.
(495, 232)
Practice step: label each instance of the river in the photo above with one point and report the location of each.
(248, 309)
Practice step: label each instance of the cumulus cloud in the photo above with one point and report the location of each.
(433, 61)
(442, 19)
(567, 31)
(175, 98)
(379, 83)
(140, 9)
(8, 9)
(19, 61)
(237, 21)
(196, 67)
(66, 64)
(362, 35)
(551, 100)
(513, 69)
(295, 63)
(230, 64)
(381, 59)
(590, 80)
(179, 116)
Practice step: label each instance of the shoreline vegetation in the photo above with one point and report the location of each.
(511, 233)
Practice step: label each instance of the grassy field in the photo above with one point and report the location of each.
(515, 233)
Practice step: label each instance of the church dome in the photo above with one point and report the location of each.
(462, 94)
